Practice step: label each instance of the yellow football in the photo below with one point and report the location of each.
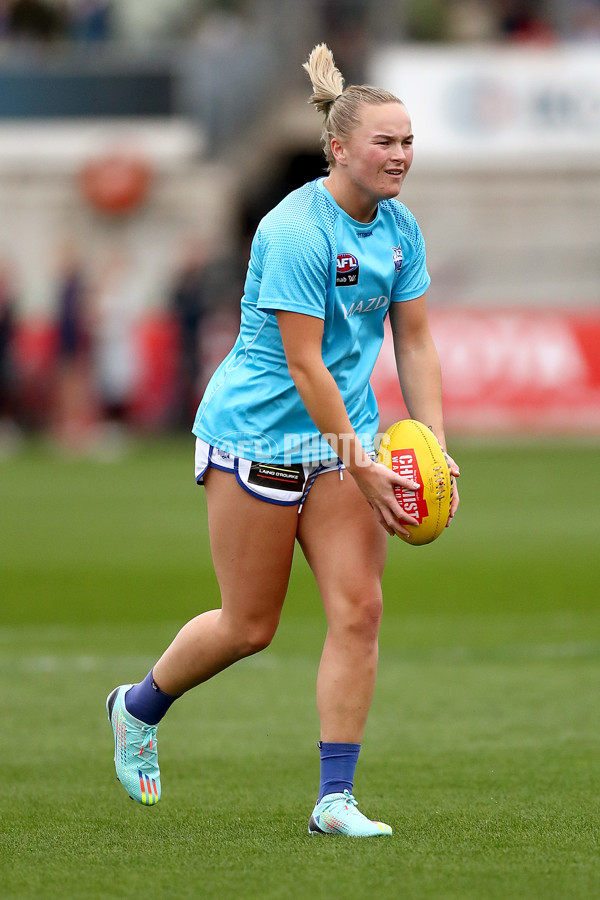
(412, 450)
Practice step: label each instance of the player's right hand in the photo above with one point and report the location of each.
(377, 482)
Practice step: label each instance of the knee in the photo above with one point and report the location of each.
(371, 613)
(363, 617)
(252, 637)
(257, 639)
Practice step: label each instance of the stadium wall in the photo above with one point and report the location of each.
(509, 214)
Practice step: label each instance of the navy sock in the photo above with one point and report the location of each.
(338, 763)
(147, 702)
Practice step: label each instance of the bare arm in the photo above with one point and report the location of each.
(302, 336)
(419, 371)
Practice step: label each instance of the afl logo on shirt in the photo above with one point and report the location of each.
(347, 270)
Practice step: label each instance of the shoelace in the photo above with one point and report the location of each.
(345, 801)
(349, 798)
(143, 744)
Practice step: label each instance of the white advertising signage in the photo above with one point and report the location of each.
(501, 106)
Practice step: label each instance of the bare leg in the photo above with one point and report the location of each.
(252, 546)
(346, 549)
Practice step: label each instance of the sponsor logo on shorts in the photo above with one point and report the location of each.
(347, 270)
(404, 462)
(283, 478)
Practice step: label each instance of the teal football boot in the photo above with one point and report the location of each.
(136, 750)
(339, 814)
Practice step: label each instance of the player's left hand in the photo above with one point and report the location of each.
(455, 473)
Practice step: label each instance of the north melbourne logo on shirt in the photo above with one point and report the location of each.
(397, 254)
(347, 270)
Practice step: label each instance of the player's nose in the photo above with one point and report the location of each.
(398, 154)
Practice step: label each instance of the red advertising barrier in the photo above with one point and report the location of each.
(504, 372)
(509, 372)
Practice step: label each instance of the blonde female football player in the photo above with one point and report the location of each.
(285, 439)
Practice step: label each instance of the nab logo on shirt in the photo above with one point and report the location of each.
(347, 270)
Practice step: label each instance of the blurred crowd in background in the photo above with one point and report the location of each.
(100, 366)
(104, 354)
(422, 20)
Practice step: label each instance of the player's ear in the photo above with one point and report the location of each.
(339, 154)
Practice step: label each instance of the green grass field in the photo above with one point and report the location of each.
(483, 745)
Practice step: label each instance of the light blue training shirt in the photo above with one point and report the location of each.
(309, 256)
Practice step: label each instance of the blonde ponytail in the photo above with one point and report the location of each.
(326, 78)
(339, 106)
